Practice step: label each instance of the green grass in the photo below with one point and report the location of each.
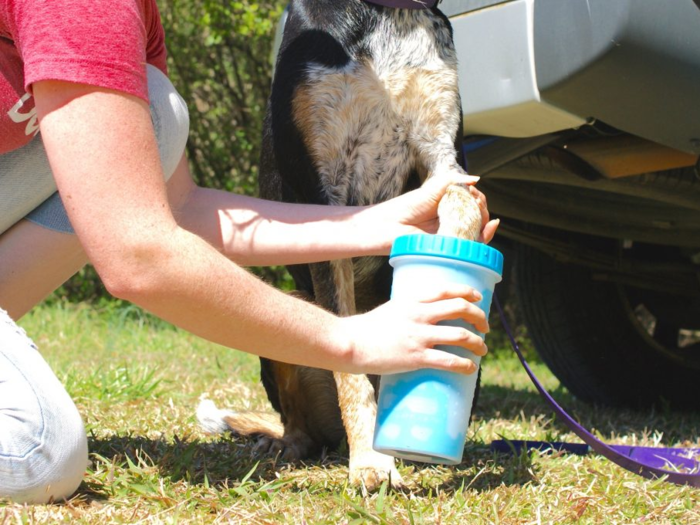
(137, 382)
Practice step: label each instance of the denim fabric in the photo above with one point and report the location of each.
(43, 445)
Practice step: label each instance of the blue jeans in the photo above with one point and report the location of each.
(43, 446)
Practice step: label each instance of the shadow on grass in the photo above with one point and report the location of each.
(481, 470)
(512, 403)
(123, 464)
(128, 460)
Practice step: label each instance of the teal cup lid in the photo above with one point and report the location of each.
(449, 248)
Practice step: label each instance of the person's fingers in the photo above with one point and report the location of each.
(442, 360)
(479, 196)
(453, 292)
(457, 308)
(456, 336)
(438, 184)
(481, 202)
(490, 226)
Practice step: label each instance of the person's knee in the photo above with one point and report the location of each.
(49, 466)
(171, 123)
(43, 446)
(171, 119)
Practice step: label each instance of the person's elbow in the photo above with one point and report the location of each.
(136, 272)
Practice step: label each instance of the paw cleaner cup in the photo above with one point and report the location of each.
(424, 415)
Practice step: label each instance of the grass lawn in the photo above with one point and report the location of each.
(137, 383)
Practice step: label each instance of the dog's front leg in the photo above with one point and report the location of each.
(358, 408)
(458, 211)
(368, 468)
(435, 129)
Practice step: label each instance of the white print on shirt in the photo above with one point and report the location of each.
(30, 116)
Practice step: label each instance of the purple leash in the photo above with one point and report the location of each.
(648, 462)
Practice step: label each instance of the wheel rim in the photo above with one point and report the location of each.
(664, 333)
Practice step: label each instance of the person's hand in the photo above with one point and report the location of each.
(417, 210)
(400, 336)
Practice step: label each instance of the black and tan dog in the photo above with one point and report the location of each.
(364, 106)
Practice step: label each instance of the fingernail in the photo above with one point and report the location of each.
(477, 295)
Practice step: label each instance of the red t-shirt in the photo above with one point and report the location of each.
(104, 43)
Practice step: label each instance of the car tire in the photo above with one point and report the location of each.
(592, 335)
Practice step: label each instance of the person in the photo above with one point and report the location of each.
(91, 77)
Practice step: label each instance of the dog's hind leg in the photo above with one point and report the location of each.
(310, 414)
(306, 400)
(310, 417)
(356, 395)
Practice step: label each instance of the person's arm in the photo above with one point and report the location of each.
(103, 153)
(256, 232)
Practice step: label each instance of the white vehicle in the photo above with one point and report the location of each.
(584, 116)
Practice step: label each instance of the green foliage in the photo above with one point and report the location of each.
(83, 286)
(219, 60)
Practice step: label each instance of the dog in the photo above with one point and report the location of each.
(364, 106)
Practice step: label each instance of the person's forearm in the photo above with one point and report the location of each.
(188, 283)
(255, 232)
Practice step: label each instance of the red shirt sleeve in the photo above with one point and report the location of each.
(104, 43)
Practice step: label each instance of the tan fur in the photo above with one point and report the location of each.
(308, 411)
(338, 110)
(255, 423)
(368, 468)
(459, 214)
(345, 286)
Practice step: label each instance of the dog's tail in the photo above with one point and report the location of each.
(214, 421)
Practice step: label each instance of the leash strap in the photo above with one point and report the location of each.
(405, 4)
(677, 465)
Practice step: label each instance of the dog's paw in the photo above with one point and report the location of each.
(459, 213)
(287, 448)
(267, 446)
(373, 469)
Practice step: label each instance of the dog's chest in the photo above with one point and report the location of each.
(357, 120)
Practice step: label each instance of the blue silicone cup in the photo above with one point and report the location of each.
(424, 415)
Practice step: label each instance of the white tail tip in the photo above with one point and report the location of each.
(211, 418)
